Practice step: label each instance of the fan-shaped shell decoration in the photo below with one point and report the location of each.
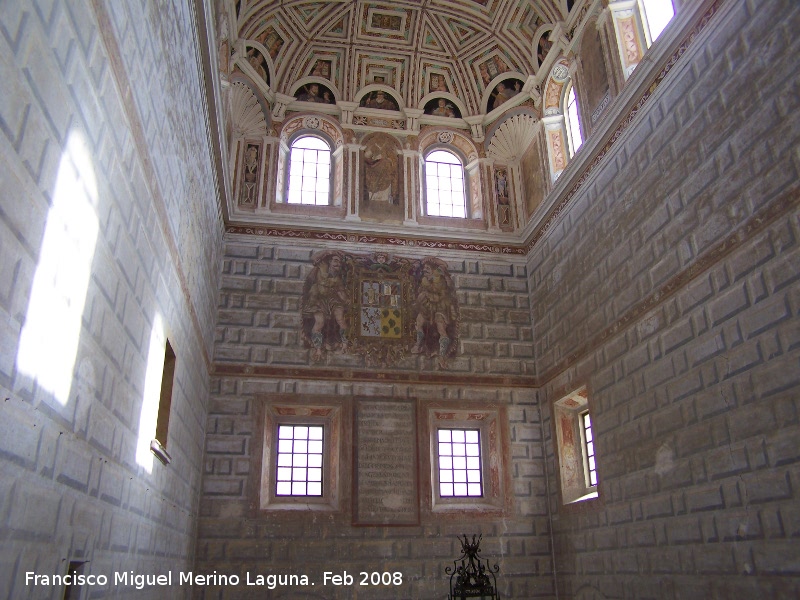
(247, 112)
(512, 138)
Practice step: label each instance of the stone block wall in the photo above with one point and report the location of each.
(260, 318)
(85, 139)
(259, 326)
(236, 538)
(670, 289)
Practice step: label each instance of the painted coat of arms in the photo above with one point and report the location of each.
(381, 307)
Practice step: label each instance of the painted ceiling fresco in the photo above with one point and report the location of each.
(415, 47)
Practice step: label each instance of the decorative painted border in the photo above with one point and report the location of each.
(365, 375)
(359, 238)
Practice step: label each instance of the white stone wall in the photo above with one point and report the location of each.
(120, 81)
(260, 319)
(670, 289)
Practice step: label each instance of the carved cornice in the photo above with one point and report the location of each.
(371, 375)
(385, 240)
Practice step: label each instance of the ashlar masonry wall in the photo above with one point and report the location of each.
(97, 181)
(669, 288)
(259, 330)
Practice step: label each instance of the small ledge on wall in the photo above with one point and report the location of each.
(160, 452)
(589, 496)
(452, 222)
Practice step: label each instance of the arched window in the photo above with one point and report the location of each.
(572, 122)
(309, 171)
(445, 189)
(658, 14)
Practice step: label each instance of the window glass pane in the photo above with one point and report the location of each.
(659, 13)
(445, 190)
(573, 125)
(309, 171)
(299, 460)
(459, 463)
(443, 156)
(588, 449)
(310, 141)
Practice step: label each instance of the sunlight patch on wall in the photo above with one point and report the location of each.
(151, 395)
(48, 343)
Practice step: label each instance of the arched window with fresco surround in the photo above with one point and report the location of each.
(445, 184)
(309, 171)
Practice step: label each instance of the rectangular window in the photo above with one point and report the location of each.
(466, 458)
(576, 447)
(588, 450)
(299, 464)
(459, 453)
(72, 591)
(165, 401)
(301, 455)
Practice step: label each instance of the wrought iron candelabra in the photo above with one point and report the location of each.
(470, 577)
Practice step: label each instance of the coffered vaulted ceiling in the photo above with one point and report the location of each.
(415, 47)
